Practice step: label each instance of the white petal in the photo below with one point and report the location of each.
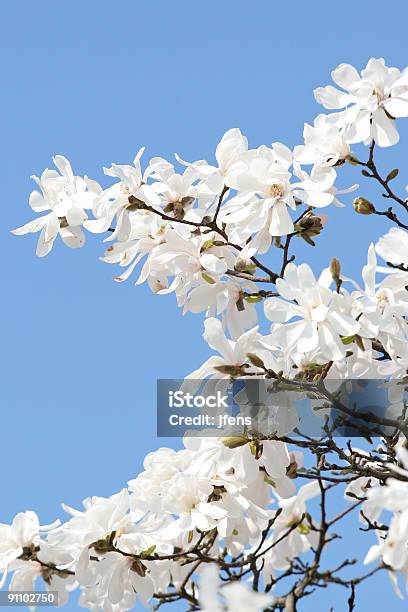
(73, 237)
(279, 311)
(383, 128)
(44, 246)
(281, 222)
(37, 202)
(215, 338)
(331, 98)
(63, 165)
(345, 75)
(31, 227)
(397, 107)
(330, 343)
(213, 264)
(75, 216)
(309, 339)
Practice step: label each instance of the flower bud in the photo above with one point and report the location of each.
(234, 441)
(392, 175)
(303, 529)
(231, 370)
(245, 265)
(352, 160)
(101, 546)
(253, 299)
(149, 551)
(363, 206)
(255, 360)
(206, 245)
(335, 267)
(135, 204)
(310, 225)
(240, 304)
(138, 567)
(291, 470)
(208, 279)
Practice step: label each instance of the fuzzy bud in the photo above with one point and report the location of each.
(245, 265)
(335, 268)
(363, 206)
(235, 441)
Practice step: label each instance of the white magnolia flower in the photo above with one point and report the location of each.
(322, 313)
(114, 201)
(190, 261)
(18, 538)
(318, 188)
(360, 362)
(235, 597)
(225, 298)
(325, 144)
(177, 191)
(147, 231)
(26, 573)
(187, 497)
(67, 197)
(213, 179)
(292, 521)
(392, 497)
(115, 581)
(100, 518)
(393, 246)
(264, 193)
(372, 100)
(381, 307)
(231, 148)
(160, 467)
(232, 353)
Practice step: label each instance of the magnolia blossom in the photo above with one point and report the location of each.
(293, 521)
(265, 193)
(239, 503)
(236, 597)
(114, 201)
(27, 573)
(227, 299)
(233, 355)
(189, 260)
(23, 534)
(67, 197)
(232, 147)
(372, 100)
(322, 313)
(381, 307)
(100, 518)
(325, 144)
(393, 246)
(393, 497)
(115, 582)
(188, 497)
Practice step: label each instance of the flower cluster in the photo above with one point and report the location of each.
(207, 499)
(224, 508)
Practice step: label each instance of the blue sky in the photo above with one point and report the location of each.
(95, 81)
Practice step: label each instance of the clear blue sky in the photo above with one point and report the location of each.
(95, 81)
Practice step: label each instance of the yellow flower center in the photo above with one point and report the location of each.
(276, 190)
